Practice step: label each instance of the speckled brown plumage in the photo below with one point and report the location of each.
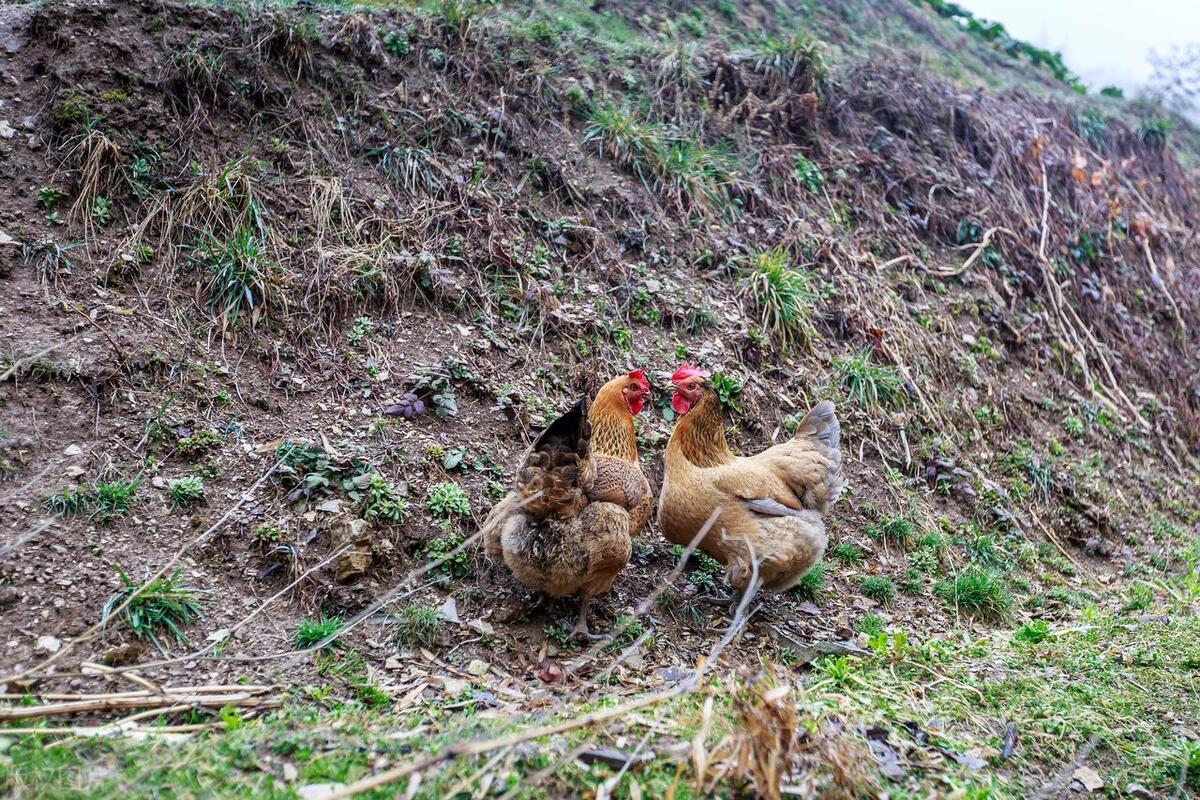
(578, 498)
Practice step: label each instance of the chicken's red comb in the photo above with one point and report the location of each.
(640, 376)
(686, 371)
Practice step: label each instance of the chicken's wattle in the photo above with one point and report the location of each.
(680, 403)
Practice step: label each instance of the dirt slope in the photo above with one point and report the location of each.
(232, 237)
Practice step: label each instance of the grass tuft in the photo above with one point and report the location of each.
(784, 296)
(976, 591)
(311, 631)
(419, 625)
(164, 604)
(879, 588)
(870, 385)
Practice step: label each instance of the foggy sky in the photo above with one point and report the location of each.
(1102, 41)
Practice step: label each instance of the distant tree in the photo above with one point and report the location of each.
(1176, 77)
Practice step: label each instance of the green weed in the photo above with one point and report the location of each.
(879, 588)
(185, 491)
(419, 625)
(975, 591)
(311, 631)
(784, 296)
(447, 501)
(164, 604)
(870, 385)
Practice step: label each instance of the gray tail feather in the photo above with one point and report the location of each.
(821, 424)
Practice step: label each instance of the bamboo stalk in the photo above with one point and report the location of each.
(120, 703)
(168, 690)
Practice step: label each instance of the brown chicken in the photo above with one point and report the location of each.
(771, 504)
(580, 496)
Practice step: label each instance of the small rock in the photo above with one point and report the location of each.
(1089, 778)
(354, 562)
(477, 667)
(454, 686)
(1139, 791)
(317, 791)
(50, 644)
(393, 662)
(481, 626)
(6, 130)
(449, 611)
(73, 450)
(219, 635)
(290, 773)
(331, 506)
(74, 471)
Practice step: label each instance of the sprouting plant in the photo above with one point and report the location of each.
(447, 501)
(141, 176)
(419, 625)
(877, 587)
(727, 388)
(49, 197)
(445, 559)
(101, 210)
(869, 384)
(397, 42)
(269, 534)
(784, 296)
(1073, 425)
(1030, 465)
(382, 501)
(871, 624)
(975, 591)
(311, 631)
(1033, 632)
(199, 443)
(807, 173)
(164, 603)
(185, 491)
(363, 327)
(810, 586)
(236, 275)
(626, 631)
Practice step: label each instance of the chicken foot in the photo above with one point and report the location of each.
(581, 632)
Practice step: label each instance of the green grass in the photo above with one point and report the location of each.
(961, 691)
(847, 552)
(103, 501)
(419, 625)
(235, 275)
(185, 491)
(165, 605)
(894, 530)
(976, 591)
(618, 134)
(870, 385)
(810, 586)
(311, 631)
(70, 501)
(879, 588)
(784, 295)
